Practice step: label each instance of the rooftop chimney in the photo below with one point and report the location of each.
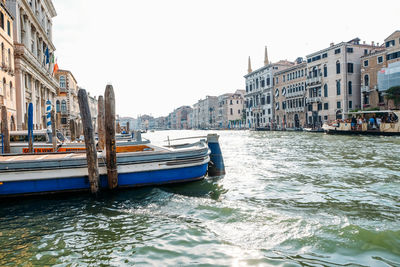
(363, 42)
(377, 44)
(373, 43)
(332, 44)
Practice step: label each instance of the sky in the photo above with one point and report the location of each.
(162, 54)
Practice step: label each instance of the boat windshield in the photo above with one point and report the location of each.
(24, 138)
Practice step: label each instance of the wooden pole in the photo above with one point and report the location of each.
(5, 130)
(127, 127)
(111, 154)
(100, 122)
(72, 129)
(53, 131)
(30, 127)
(91, 153)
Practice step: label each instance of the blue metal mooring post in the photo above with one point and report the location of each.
(216, 165)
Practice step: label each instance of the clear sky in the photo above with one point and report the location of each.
(162, 54)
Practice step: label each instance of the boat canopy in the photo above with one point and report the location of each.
(372, 112)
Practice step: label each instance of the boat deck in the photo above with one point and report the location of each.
(4, 159)
(53, 156)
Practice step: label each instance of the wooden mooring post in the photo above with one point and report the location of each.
(91, 153)
(111, 153)
(100, 122)
(4, 130)
(53, 131)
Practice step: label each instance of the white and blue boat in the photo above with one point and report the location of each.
(31, 174)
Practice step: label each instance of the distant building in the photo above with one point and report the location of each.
(145, 122)
(333, 81)
(289, 93)
(230, 110)
(205, 113)
(380, 70)
(7, 87)
(93, 106)
(67, 106)
(259, 94)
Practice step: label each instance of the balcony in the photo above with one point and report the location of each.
(294, 94)
(313, 80)
(365, 89)
(296, 109)
(313, 100)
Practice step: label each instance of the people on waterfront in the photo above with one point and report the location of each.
(360, 122)
(353, 123)
(372, 123)
(378, 121)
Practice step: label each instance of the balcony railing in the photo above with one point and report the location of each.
(296, 109)
(313, 80)
(293, 94)
(365, 89)
(313, 100)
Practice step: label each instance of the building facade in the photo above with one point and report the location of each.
(230, 110)
(379, 70)
(333, 81)
(67, 107)
(33, 57)
(289, 96)
(259, 92)
(7, 78)
(205, 113)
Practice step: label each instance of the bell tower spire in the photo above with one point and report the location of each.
(266, 62)
(249, 68)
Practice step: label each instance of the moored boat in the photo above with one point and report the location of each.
(385, 122)
(27, 174)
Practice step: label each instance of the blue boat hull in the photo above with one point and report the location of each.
(157, 177)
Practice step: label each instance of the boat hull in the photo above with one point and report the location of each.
(331, 131)
(18, 187)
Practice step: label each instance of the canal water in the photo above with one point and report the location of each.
(288, 199)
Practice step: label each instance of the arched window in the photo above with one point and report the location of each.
(337, 67)
(325, 90)
(366, 80)
(58, 106)
(338, 87)
(11, 91)
(2, 53)
(325, 71)
(63, 106)
(62, 82)
(9, 58)
(350, 88)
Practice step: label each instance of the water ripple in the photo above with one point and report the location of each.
(288, 199)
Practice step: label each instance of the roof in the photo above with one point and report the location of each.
(6, 9)
(397, 32)
(280, 62)
(67, 71)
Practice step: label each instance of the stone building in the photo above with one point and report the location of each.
(7, 78)
(380, 63)
(33, 57)
(230, 110)
(205, 113)
(93, 106)
(259, 95)
(67, 106)
(333, 81)
(289, 93)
